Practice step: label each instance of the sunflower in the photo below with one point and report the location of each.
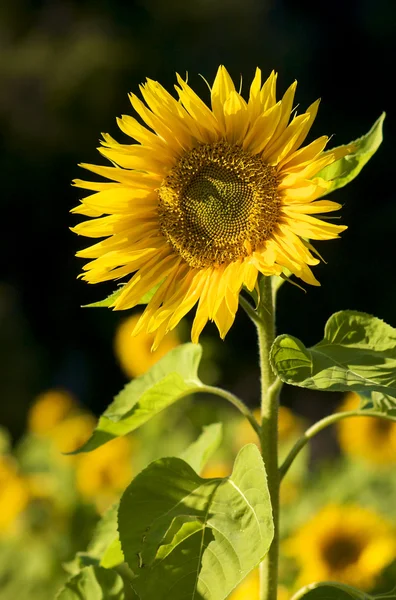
(103, 474)
(370, 438)
(14, 495)
(249, 589)
(205, 200)
(348, 544)
(49, 409)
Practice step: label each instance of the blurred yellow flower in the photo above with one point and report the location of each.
(14, 494)
(289, 492)
(369, 438)
(134, 352)
(72, 433)
(217, 469)
(289, 426)
(249, 589)
(347, 544)
(103, 474)
(49, 409)
(283, 593)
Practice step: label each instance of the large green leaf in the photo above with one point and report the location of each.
(346, 169)
(172, 378)
(109, 301)
(358, 353)
(199, 452)
(93, 583)
(191, 538)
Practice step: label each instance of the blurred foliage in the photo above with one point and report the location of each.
(50, 502)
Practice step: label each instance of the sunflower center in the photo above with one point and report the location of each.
(341, 552)
(382, 428)
(218, 204)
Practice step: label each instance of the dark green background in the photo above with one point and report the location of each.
(66, 67)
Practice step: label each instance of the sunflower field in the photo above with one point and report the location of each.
(58, 509)
(197, 300)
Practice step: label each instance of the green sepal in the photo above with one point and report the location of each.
(110, 300)
(93, 583)
(347, 168)
(188, 537)
(170, 379)
(357, 353)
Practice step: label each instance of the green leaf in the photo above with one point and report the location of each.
(93, 583)
(109, 301)
(358, 353)
(346, 169)
(105, 544)
(106, 302)
(104, 533)
(113, 555)
(199, 452)
(379, 403)
(172, 378)
(188, 537)
(332, 591)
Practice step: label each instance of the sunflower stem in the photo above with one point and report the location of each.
(270, 388)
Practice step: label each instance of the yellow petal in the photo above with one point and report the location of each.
(222, 88)
(235, 117)
(268, 92)
(142, 282)
(287, 105)
(122, 200)
(299, 159)
(131, 178)
(306, 191)
(261, 133)
(319, 206)
(286, 142)
(313, 228)
(224, 319)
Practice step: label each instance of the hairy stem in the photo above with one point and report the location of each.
(270, 387)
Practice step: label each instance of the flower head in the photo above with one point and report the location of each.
(14, 494)
(49, 409)
(72, 433)
(371, 438)
(103, 474)
(347, 544)
(205, 200)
